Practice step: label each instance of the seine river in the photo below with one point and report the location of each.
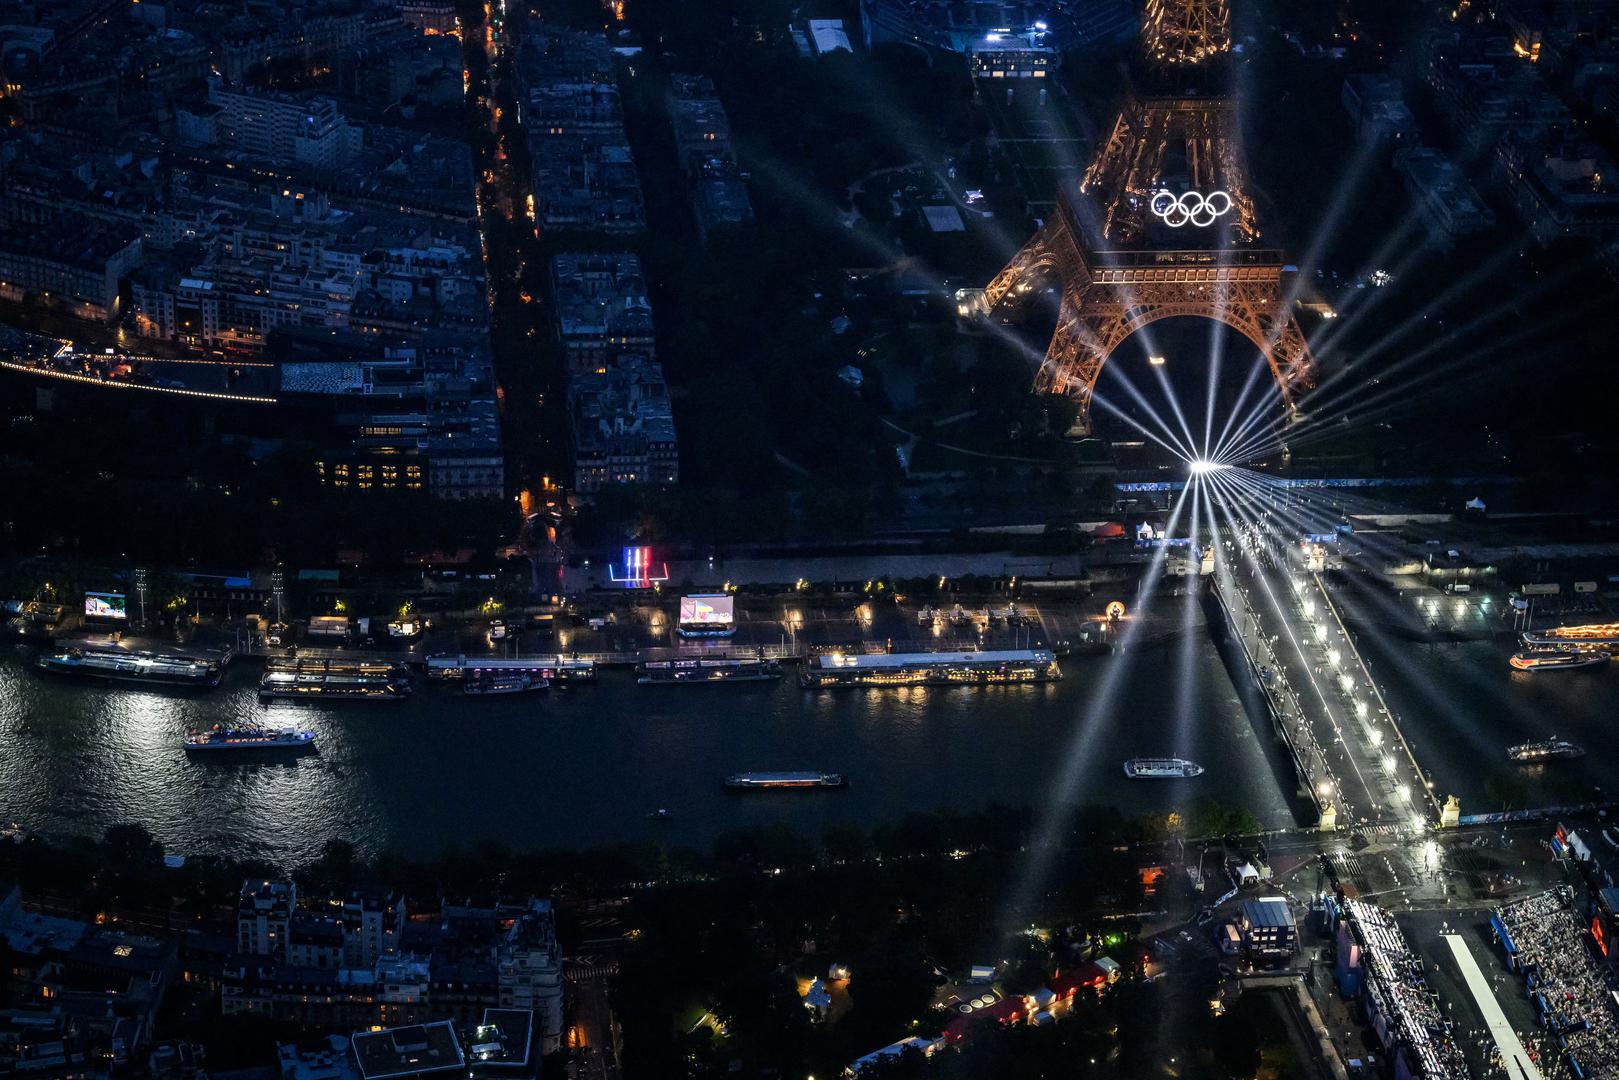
(1461, 705)
(587, 765)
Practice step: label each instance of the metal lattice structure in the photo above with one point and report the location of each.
(1119, 269)
(1186, 31)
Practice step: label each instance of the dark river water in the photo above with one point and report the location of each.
(587, 764)
(1461, 705)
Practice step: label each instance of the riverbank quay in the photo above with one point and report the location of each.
(629, 627)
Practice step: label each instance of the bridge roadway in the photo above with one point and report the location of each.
(1322, 697)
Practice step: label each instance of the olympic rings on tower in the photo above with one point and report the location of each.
(1189, 208)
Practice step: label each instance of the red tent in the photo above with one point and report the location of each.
(1069, 983)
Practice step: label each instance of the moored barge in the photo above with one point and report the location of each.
(987, 668)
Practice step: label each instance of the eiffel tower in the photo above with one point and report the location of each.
(1161, 224)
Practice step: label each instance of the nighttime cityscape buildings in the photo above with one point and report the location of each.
(949, 539)
(623, 427)
(584, 171)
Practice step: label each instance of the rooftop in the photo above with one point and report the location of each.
(1268, 911)
(503, 1040)
(408, 1051)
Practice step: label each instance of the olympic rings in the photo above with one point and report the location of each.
(1189, 208)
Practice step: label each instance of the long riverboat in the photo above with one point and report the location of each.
(345, 680)
(989, 667)
(1560, 660)
(784, 781)
(1603, 636)
(710, 670)
(247, 737)
(120, 665)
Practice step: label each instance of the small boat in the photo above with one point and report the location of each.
(1161, 768)
(783, 781)
(660, 814)
(1555, 661)
(1552, 749)
(504, 682)
(247, 737)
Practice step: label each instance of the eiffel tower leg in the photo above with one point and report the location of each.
(1073, 361)
(1259, 312)
(1020, 275)
(1293, 365)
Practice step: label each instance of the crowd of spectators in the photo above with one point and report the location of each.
(1399, 990)
(1565, 979)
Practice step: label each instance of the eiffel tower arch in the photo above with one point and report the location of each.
(1161, 224)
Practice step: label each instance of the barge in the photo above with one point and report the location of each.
(987, 668)
(719, 669)
(119, 665)
(784, 781)
(1536, 660)
(247, 737)
(345, 680)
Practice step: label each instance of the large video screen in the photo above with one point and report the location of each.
(713, 610)
(105, 605)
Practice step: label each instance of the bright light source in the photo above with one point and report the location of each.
(1201, 466)
(1156, 361)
